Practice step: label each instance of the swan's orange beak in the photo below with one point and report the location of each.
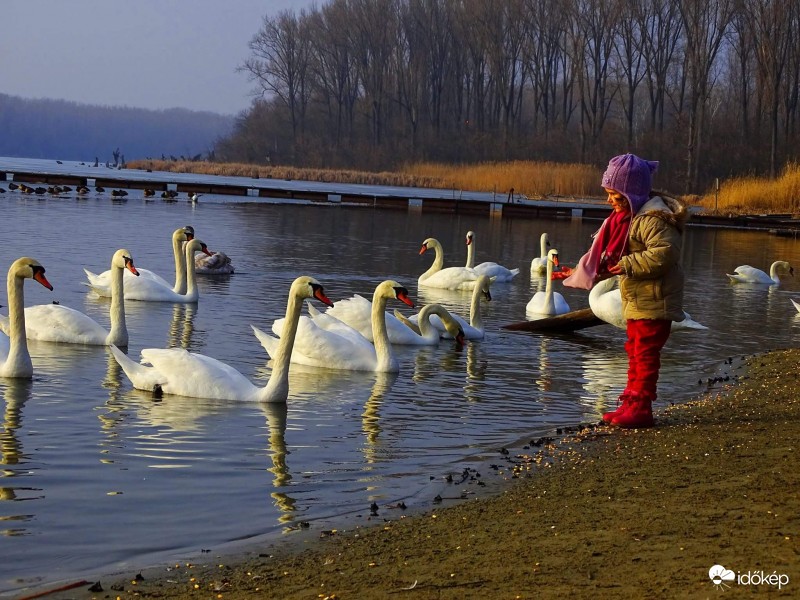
(129, 265)
(319, 294)
(207, 251)
(469, 241)
(423, 249)
(401, 294)
(38, 275)
(460, 337)
(555, 259)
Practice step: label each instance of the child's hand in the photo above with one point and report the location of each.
(616, 270)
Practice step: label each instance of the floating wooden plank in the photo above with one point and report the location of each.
(571, 321)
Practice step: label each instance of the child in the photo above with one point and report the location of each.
(641, 242)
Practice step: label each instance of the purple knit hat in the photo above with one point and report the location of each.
(632, 177)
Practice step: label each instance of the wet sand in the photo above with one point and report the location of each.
(599, 513)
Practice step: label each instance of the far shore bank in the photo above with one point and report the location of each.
(616, 514)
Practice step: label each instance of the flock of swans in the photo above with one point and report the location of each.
(355, 334)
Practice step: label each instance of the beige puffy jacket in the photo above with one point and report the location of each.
(652, 287)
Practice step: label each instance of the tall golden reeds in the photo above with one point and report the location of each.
(747, 195)
(528, 178)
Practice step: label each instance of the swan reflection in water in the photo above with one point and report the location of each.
(15, 394)
(371, 417)
(604, 375)
(181, 327)
(276, 413)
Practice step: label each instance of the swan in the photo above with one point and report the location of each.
(218, 263)
(474, 329)
(177, 371)
(151, 290)
(59, 323)
(102, 283)
(15, 360)
(339, 346)
(356, 312)
(451, 278)
(548, 302)
(796, 304)
(748, 274)
(492, 269)
(605, 300)
(424, 329)
(539, 263)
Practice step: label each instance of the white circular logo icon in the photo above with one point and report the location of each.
(719, 575)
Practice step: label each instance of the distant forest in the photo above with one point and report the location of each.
(71, 131)
(708, 87)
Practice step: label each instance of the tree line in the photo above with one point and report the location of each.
(709, 87)
(109, 134)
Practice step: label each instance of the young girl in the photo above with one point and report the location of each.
(641, 242)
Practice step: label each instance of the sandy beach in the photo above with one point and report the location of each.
(598, 513)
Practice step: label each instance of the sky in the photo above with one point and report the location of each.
(152, 54)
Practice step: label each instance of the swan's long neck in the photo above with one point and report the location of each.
(549, 304)
(192, 293)
(277, 388)
(380, 337)
(471, 255)
(475, 318)
(424, 321)
(18, 363)
(543, 246)
(119, 330)
(773, 272)
(437, 265)
(180, 265)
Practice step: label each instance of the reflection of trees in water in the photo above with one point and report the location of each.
(16, 394)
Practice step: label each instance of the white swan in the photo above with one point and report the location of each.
(218, 263)
(796, 304)
(176, 371)
(356, 312)
(59, 323)
(548, 302)
(492, 269)
(339, 346)
(15, 360)
(748, 274)
(605, 300)
(102, 283)
(425, 331)
(539, 263)
(474, 329)
(151, 290)
(451, 278)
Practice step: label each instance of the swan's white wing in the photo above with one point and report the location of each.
(102, 283)
(796, 304)
(492, 269)
(451, 278)
(142, 377)
(5, 347)
(317, 347)
(59, 323)
(748, 274)
(539, 265)
(687, 323)
(356, 312)
(197, 375)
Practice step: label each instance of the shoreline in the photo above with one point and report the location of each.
(615, 513)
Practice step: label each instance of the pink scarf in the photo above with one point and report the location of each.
(607, 248)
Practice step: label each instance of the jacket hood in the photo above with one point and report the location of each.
(671, 210)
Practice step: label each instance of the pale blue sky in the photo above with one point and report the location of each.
(138, 53)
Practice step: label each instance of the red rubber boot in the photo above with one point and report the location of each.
(622, 406)
(639, 413)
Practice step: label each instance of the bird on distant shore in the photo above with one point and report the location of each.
(193, 198)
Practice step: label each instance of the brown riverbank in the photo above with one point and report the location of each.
(618, 514)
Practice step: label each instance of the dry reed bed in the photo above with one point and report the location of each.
(741, 195)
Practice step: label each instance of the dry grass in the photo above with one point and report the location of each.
(749, 195)
(532, 179)
(744, 195)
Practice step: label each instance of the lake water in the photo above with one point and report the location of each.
(98, 477)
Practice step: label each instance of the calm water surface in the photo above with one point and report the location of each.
(99, 477)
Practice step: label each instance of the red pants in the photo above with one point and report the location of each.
(646, 338)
